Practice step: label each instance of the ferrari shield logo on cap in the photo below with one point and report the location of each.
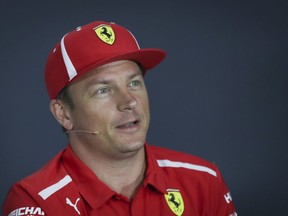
(175, 201)
(105, 33)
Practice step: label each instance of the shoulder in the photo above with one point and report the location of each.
(50, 172)
(172, 159)
(25, 195)
(196, 177)
(174, 155)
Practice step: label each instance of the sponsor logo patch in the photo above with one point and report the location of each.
(28, 211)
(228, 197)
(68, 202)
(175, 201)
(105, 33)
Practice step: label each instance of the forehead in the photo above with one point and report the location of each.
(123, 69)
(113, 70)
(118, 66)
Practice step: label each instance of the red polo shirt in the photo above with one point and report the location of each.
(174, 184)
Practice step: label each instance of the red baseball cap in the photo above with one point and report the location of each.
(91, 46)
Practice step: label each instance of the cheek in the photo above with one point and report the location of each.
(145, 107)
(85, 116)
(100, 115)
(146, 100)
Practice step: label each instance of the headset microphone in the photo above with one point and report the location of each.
(83, 131)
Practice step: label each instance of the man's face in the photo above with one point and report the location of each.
(113, 100)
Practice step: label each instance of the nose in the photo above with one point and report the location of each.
(127, 101)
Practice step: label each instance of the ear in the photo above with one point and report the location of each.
(61, 114)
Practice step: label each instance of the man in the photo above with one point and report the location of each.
(94, 78)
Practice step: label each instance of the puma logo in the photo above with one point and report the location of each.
(68, 202)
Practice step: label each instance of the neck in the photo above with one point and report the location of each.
(125, 179)
(123, 176)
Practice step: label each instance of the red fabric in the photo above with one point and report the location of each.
(86, 50)
(202, 193)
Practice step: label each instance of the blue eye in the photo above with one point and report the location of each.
(103, 90)
(134, 83)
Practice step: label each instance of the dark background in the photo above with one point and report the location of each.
(221, 94)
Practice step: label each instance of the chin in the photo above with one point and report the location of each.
(132, 146)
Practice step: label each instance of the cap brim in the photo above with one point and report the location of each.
(147, 58)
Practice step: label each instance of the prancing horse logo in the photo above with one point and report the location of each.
(175, 201)
(105, 33)
(172, 200)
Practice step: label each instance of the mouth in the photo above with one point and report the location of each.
(127, 125)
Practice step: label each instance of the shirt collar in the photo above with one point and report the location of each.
(154, 175)
(94, 191)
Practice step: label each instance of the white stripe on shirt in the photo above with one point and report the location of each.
(176, 164)
(55, 187)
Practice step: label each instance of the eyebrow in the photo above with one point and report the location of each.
(106, 81)
(139, 72)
